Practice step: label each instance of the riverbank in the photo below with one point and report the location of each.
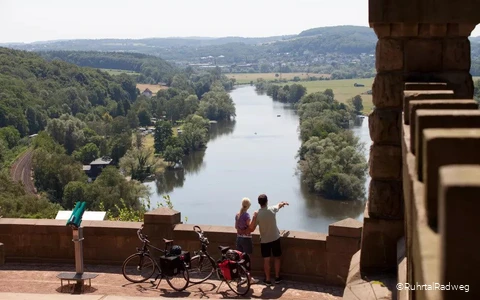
(253, 155)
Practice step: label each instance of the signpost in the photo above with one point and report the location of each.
(74, 222)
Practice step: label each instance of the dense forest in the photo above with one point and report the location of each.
(152, 69)
(80, 114)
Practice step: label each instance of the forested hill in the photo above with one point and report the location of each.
(33, 90)
(152, 69)
(343, 39)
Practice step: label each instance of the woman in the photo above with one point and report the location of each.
(244, 236)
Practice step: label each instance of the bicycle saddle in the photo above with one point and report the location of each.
(224, 248)
(167, 241)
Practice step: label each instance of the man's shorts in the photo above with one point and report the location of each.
(274, 248)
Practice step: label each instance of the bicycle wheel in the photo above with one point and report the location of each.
(138, 268)
(241, 284)
(180, 281)
(201, 268)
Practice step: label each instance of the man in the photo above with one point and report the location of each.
(265, 218)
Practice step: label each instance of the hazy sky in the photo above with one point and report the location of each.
(39, 20)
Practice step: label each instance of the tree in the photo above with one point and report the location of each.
(144, 117)
(173, 155)
(119, 145)
(139, 163)
(357, 104)
(10, 135)
(163, 132)
(87, 153)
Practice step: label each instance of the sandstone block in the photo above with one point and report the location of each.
(456, 54)
(458, 146)
(404, 30)
(338, 244)
(422, 95)
(385, 126)
(435, 104)
(346, 228)
(379, 244)
(423, 55)
(432, 118)
(162, 215)
(385, 200)
(382, 30)
(460, 30)
(458, 204)
(385, 162)
(389, 55)
(387, 90)
(429, 86)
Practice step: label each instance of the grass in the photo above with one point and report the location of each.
(343, 89)
(118, 72)
(243, 78)
(152, 87)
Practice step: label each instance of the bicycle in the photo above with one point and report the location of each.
(229, 268)
(171, 265)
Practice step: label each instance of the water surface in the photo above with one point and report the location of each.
(255, 154)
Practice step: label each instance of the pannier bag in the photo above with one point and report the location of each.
(236, 255)
(229, 269)
(185, 257)
(171, 265)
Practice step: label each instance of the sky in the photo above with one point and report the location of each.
(41, 20)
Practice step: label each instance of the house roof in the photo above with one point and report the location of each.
(101, 161)
(86, 168)
(147, 91)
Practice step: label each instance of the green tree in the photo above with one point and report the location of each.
(163, 132)
(139, 163)
(75, 191)
(10, 135)
(357, 103)
(173, 155)
(87, 153)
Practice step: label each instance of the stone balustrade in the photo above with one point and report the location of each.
(307, 256)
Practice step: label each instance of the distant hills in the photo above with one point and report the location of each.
(344, 51)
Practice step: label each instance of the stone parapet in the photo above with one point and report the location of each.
(422, 95)
(458, 227)
(307, 256)
(459, 146)
(427, 86)
(434, 118)
(435, 104)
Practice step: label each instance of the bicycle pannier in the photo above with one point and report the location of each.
(171, 265)
(229, 269)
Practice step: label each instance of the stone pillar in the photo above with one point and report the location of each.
(417, 43)
(159, 224)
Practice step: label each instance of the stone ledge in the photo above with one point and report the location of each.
(367, 288)
(444, 118)
(427, 86)
(423, 95)
(346, 228)
(439, 105)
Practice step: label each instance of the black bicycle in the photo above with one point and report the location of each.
(174, 264)
(231, 267)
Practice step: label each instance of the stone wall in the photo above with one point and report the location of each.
(429, 49)
(307, 256)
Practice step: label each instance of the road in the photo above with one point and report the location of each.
(22, 171)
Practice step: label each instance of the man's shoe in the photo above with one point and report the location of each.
(267, 282)
(253, 280)
(278, 279)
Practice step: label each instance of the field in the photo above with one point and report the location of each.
(242, 78)
(118, 72)
(153, 87)
(343, 89)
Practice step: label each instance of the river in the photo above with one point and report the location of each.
(252, 155)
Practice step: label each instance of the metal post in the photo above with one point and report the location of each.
(78, 240)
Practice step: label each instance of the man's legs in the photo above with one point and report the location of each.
(277, 253)
(266, 250)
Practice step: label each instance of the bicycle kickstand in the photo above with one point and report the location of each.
(153, 281)
(220, 285)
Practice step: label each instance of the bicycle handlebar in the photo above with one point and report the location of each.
(141, 236)
(199, 231)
